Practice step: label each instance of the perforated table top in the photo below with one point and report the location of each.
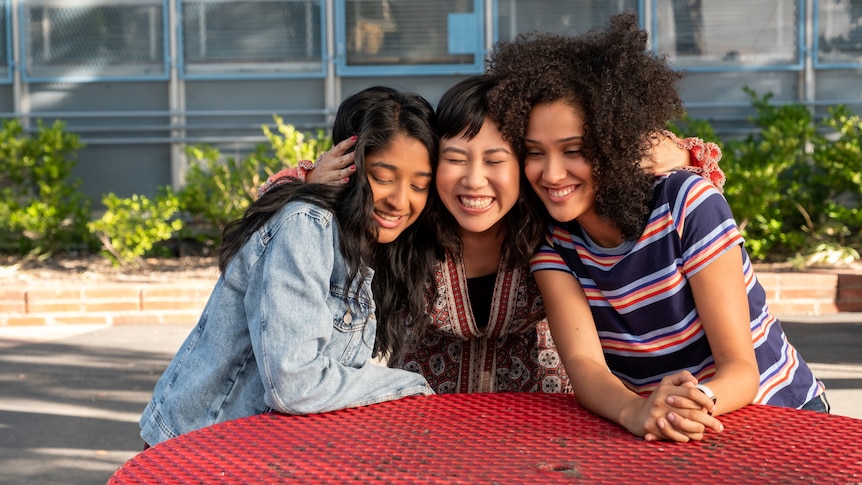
(500, 438)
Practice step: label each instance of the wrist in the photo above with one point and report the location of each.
(708, 392)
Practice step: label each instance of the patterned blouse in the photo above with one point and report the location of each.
(512, 352)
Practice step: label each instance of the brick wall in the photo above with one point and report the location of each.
(103, 303)
(788, 293)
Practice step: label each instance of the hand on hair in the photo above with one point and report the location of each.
(665, 155)
(334, 167)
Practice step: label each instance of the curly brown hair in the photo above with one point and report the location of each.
(625, 92)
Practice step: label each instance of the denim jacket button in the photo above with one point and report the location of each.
(347, 318)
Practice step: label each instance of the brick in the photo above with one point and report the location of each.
(115, 292)
(12, 294)
(27, 320)
(48, 306)
(170, 292)
(111, 306)
(811, 293)
(36, 294)
(158, 305)
(12, 306)
(81, 319)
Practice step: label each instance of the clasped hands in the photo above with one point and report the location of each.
(675, 411)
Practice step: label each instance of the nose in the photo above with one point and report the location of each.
(475, 176)
(397, 198)
(553, 169)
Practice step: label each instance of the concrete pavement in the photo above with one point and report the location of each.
(71, 395)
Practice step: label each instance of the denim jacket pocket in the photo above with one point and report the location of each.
(354, 322)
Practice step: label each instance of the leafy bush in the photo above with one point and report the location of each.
(131, 227)
(219, 189)
(795, 186)
(41, 209)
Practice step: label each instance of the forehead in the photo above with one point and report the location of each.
(402, 154)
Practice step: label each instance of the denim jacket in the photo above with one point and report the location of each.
(281, 331)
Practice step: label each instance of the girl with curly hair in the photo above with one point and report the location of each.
(291, 323)
(642, 275)
(487, 330)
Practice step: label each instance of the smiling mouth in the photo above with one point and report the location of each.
(388, 221)
(476, 202)
(561, 192)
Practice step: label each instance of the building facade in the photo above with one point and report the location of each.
(139, 80)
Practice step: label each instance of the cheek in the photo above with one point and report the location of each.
(445, 178)
(532, 171)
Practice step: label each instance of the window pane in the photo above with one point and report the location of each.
(384, 32)
(730, 33)
(840, 31)
(565, 17)
(251, 36)
(94, 40)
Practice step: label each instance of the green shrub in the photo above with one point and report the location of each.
(219, 189)
(795, 185)
(41, 209)
(132, 227)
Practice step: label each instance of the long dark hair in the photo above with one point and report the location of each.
(462, 112)
(625, 92)
(376, 115)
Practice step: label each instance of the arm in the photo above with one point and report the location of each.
(290, 318)
(599, 391)
(331, 167)
(722, 303)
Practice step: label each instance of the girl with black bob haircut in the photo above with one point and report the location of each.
(292, 322)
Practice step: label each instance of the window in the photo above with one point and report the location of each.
(94, 40)
(564, 17)
(729, 34)
(839, 38)
(381, 36)
(252, 38)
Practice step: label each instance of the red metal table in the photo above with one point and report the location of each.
(500, 438)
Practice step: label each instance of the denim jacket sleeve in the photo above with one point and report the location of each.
(306, 364)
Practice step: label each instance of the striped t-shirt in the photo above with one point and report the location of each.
(643, 305)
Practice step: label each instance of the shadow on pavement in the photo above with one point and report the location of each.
(69, 411)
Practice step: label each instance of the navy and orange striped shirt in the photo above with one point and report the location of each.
(642, 303)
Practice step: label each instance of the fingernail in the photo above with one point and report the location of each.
(352, 168)
(345, 180)
(353, 138)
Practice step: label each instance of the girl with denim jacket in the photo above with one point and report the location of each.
(487, 330)
(293, 321)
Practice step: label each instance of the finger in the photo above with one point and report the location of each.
(704, 421)
(341, 147)
(690, 428)
(670, 432)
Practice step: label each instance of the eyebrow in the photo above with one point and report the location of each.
(393, 168)
(561, 140)
(487, 152)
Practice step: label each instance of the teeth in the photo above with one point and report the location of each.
(476, 202)
(388, 217)
(561, 192)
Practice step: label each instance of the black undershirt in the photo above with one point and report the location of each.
(481, 291)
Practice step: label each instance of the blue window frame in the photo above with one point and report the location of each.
(94, 40)
(233, 39)
(838, 39)
(706, 36)
(5, 42)
(409, 37)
